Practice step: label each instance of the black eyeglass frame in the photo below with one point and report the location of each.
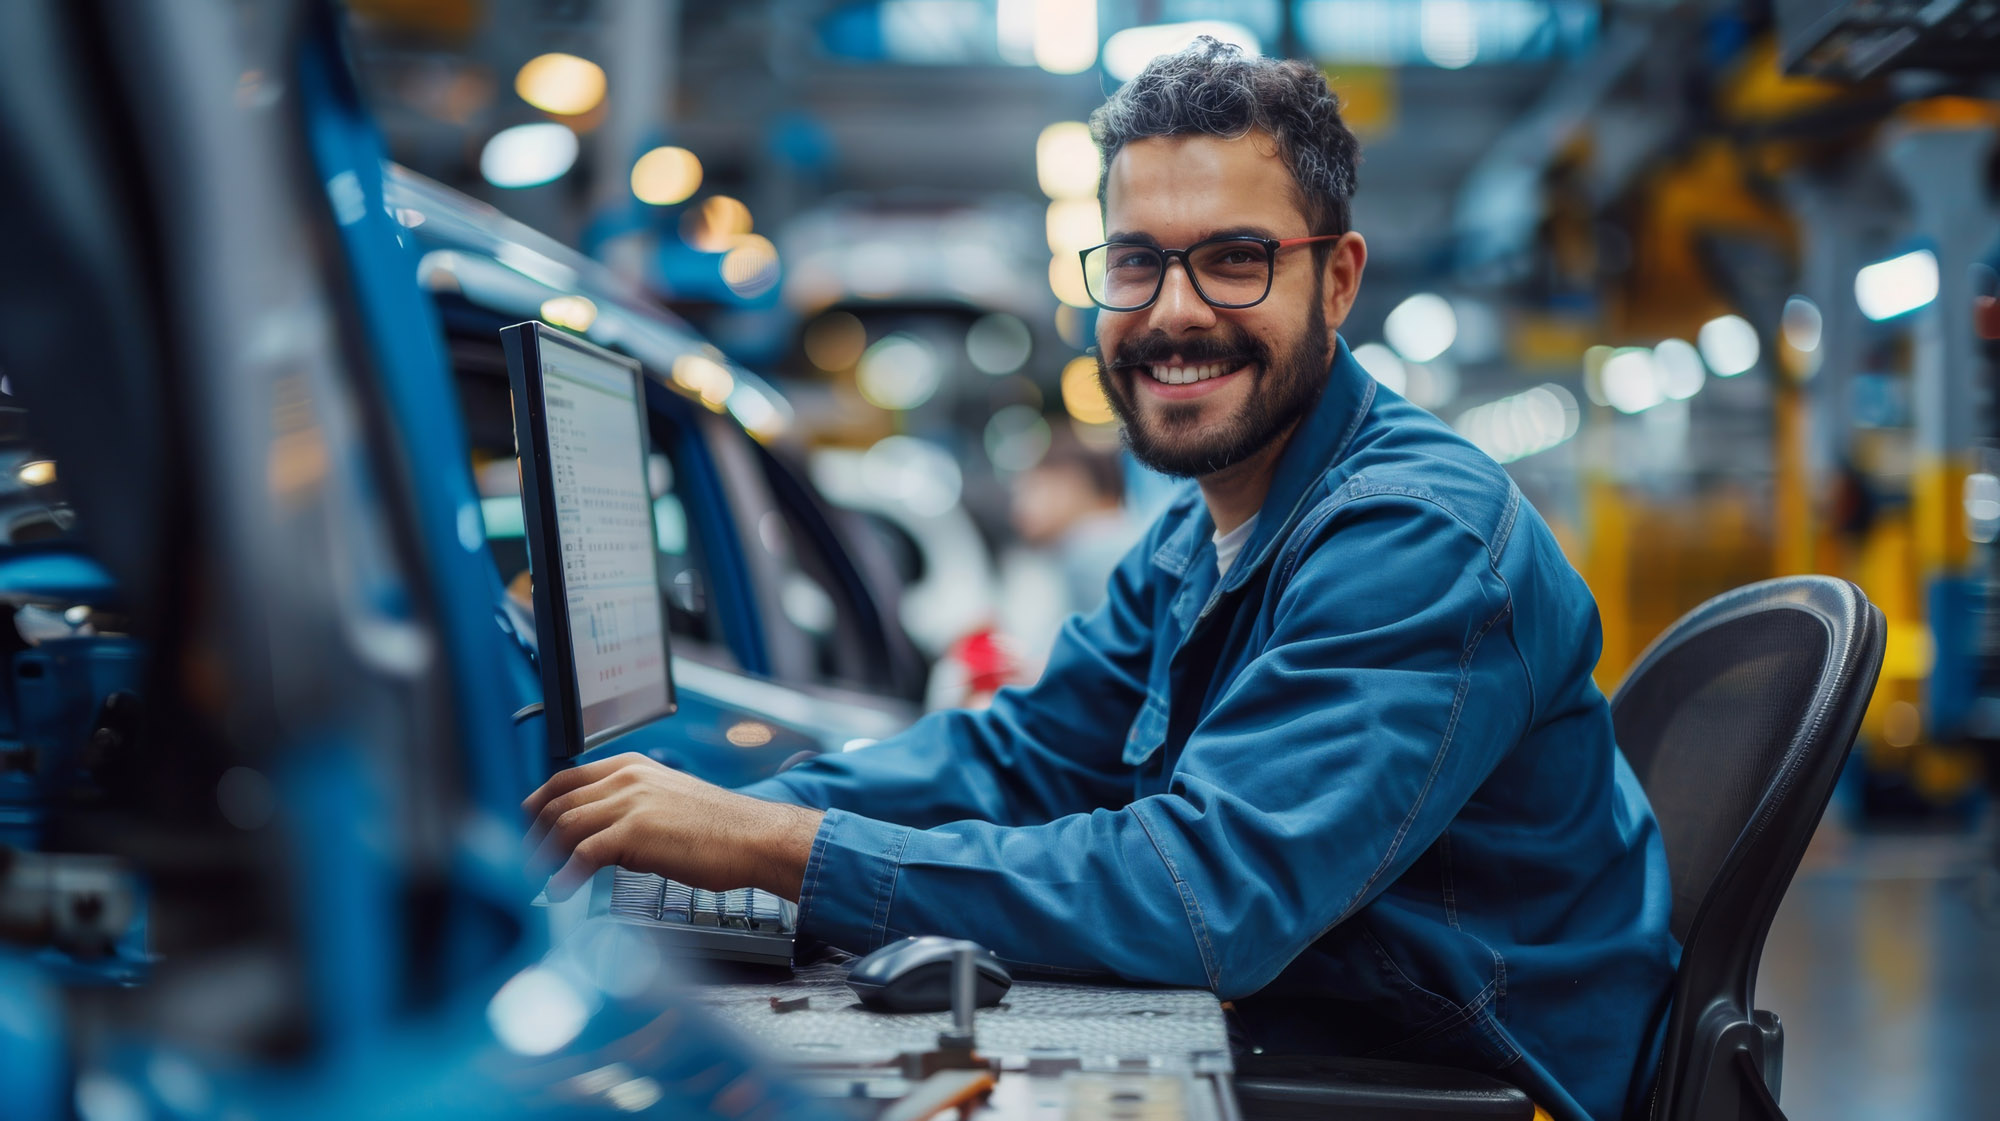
(1167, 256)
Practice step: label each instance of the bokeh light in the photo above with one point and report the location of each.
(899, 372)
(750, 268)
(1677, 366)
(1065, 35)
(528, 155)
(1729, 345)
(705, 378)
(715, 225)
(1631, 384)
(1383, 365)
(574, 312)
(1897, 286)
(1016, 438)
(834, 341)
(1067, 161)
(1802, 324)
(1074, 225)
(561, 83)
(921, 476)
(666, 176)
(1066, 281)
(998, 344)
(1127, 52)
(1083, 394)
(1422, 327)
(1523, 424)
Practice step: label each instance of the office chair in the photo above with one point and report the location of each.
(1737, 721)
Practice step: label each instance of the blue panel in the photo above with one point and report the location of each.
(56, 576)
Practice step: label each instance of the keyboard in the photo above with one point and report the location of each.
(745, 924)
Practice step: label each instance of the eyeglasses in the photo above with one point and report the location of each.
(1227, 272)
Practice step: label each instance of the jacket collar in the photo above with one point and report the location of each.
(1320, 441)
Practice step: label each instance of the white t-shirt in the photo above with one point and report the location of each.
(1227, 545)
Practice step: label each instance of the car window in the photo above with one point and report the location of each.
(821, 595)
(684, 561)
(691, 617)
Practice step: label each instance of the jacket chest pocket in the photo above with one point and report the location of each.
(1149, 729)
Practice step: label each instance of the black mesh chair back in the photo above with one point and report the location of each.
(1737, 721)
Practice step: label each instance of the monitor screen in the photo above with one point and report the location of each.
(600, 618)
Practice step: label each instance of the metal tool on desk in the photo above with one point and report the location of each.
(953, 1076)
(1052, 1050)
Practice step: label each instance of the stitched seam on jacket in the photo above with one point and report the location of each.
(815, 864)
(887, 895)
(1354, 490)
(1197, 924)
(1311, 524)
(1504, 531)
(1466, 1014)
(1444, 863)
(1437, 763)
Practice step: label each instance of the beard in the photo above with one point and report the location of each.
(1172, 441)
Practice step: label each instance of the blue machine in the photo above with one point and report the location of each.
(265, 859)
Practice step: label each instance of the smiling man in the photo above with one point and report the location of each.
(1331, 746)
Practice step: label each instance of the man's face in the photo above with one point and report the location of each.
(1268, 363)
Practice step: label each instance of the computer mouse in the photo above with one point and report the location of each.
(914, 975)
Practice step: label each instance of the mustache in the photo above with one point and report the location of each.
(1157, 348)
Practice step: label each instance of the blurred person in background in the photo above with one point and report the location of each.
(1069, 513)
(1329, 748)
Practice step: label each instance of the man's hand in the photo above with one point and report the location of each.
(631, 811)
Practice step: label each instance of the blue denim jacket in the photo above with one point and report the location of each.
(1363, 786)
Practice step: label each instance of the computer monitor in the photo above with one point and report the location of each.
(593, 559)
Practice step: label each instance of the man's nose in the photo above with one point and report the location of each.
(1179, 307)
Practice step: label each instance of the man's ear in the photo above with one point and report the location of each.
(1344, 265)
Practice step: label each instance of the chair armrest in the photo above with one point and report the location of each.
(1276, 1087)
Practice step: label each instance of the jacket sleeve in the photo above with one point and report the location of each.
(1388, 692)
(1032, 755)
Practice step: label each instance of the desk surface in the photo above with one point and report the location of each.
(1175, 1029)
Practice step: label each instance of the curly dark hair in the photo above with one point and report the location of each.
(1212, 89)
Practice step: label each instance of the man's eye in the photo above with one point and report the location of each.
(1133, 260)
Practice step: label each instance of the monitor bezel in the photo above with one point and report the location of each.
(561, 695)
